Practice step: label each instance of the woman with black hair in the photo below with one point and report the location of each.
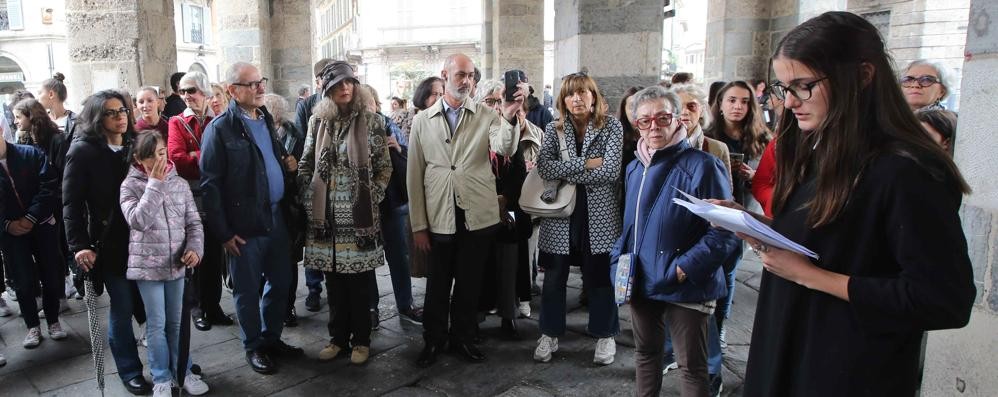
(35, 128)
(96, 164)
(859, 182)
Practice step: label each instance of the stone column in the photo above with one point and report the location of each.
(517, 39)
(291, 49)
(617, 43)
(244, 35)
(119, 45)
(961, 362)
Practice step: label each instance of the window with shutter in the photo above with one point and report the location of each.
(11, 15)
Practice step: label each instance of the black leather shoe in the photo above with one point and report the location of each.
(429, 355)
(292, 319)
(260, 362)
(469, 352)
(312, 302)
(202, 323)
(282, 349)
(220, 319)
(509, 329)
(138, 386)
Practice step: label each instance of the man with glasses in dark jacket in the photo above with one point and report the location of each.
(246, 176)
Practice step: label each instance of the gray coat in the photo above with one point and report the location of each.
(601, 184)
(164, 223)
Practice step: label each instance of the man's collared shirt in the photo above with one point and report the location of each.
(453, 115)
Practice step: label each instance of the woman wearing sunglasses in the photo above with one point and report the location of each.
(925, 84)
(184, 148)
(676, 256)
(860, 183)
(96, 231)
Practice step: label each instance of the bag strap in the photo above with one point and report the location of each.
(562, 146)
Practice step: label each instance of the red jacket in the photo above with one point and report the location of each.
(184, 139)
(765, 178)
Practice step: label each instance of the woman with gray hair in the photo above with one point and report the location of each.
(675, 255)
(184, 149)
(925, 84)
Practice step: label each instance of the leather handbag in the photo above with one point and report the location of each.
(533, 187)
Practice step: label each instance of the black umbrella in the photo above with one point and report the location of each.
(96, 334)
(185, 331)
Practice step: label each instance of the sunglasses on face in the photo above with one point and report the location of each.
(189, 91)
(492, 101)
(254, 84)
(660, 120)
(919, 81)
(111, 113)
(692, 106)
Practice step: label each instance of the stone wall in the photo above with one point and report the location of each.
(119, 44)
(244, 34)
(517, 39)
(291, 50)
(618, 43)
(961, 362)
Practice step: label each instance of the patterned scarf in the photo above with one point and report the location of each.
(359, 158)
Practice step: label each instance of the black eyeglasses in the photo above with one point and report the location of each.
(122, 111)
(576, 74)
(254, 84)
(491, 101)
(188, 90)
(801, 91)
(659, 120)
(920, 81)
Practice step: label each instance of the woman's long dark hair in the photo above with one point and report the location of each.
(755, 135)
(631, 134)
(423, 91)
(92, 116)
(40, 126)
(867, 116)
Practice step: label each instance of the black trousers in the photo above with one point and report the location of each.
(349, 297)
(456, 260)
(207, 280)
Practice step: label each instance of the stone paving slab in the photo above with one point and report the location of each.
(64, 368)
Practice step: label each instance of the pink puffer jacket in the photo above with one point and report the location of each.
(164, 224)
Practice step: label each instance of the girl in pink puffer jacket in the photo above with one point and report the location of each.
(166, 237)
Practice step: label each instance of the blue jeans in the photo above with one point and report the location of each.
(730, 266)
(603, 320)
(313, 280)
(261, 318)
(163, 300)
(121, 337)
(714, 357)
(397, 253)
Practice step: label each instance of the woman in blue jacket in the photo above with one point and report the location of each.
(676, 256)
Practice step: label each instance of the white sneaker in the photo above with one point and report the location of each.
(10, 295)
(524, 309)
(56, 332)
(3, 360)
(545, 346)
(194, 386)
(671, 367)
(4, 309)
(162, 389)
(33, 338)
(606, 349)
(69, 287)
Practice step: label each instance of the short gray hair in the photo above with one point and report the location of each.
(698, 95)
(232, 73)
(276, 105)
(654, 93)
(487, 88)
(199, 80)
(941, 70)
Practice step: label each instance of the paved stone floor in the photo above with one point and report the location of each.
(64, 368)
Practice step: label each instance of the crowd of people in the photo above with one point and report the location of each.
(221, 184)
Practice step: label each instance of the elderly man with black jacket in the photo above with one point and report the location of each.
(248, 183)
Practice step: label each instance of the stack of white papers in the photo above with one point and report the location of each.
(740, 222)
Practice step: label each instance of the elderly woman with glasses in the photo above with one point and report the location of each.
(183, 145)
(507, 284)
(676, 256)
(925, 84)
